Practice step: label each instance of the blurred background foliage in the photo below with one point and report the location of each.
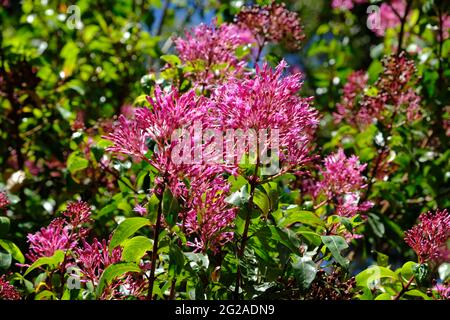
(64, 81)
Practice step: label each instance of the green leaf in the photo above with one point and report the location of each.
(171, 208)
(46, 295)
(336, 244)
(135, 248)
(126, 229)
(295, 215)
(384, 296)
(14, 250)
(240, 197)
(376, 224)
(371, 275)
(52, 261)
(304, 270)
(382, 259)
(262, 201)
(4, 225)
(444, 271)
(76, 163)
(417, 293)
(407, 269)
(422, 274)
(112, 272)
(5, 260)
(171, 59)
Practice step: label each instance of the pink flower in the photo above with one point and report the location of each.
(209, 217)
(128, 138)
(443, 290)
(4, 201)
(445, 27)
(429, 238)
(93, 258)
(78, 213)
(390, 13)
(272, 23)
(342, 183)
(342, 175)
(7, 290)
(140, 209)
(353, 92)
(268, 102)
(45, 242)
(213, 48)
(346, 4)
(395, 87)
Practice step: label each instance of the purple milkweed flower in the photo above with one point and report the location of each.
(272, 23)
(213, 47)
(93, 258)
(429, 237)
(4, 200)
(346, 4)
(390, 13)
(78, 213)
(269, 102)
(7, 290)
(46, 241)
(140, 209)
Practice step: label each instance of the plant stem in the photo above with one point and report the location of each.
(402, 27)
(253, 183)
(151, 280)
(404, 289)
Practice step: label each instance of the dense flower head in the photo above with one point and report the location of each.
(394, 91)
(4, 200)
(346, 4)
(269, 102)
(272, 23)
(342, 175)
(169, 111)
(7, 290)
(92, 258)
(78, 213)
(342, 183)
(429, 237)
(443, 291)
(209, 217)
(213, 48)
(54, 237)
(353, 92)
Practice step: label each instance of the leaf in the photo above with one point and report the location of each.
(444, 271)
(112, 272)
(376, 224)
(422, 274)
(52, 261)
(135, 248)
(171, 59)
(46, 295)
(171, 208)
(4, 225)
(336, 244)
(417, 293)
(240, 197)
(126, 229)
(407, 269)
(384, 296)
(304, 270)
(295, 215)
(5, 260)
(382, 259)
(372, 274)
(262, 201)
(14, 250)
(76, 163)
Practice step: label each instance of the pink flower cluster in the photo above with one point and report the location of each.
(7, 290)
(342, 182)
(269, 101)
(391, 13)
(395, 87)
(211, 51)
(429, 237)
(346, 4)
(4, 201)
(272, 23)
